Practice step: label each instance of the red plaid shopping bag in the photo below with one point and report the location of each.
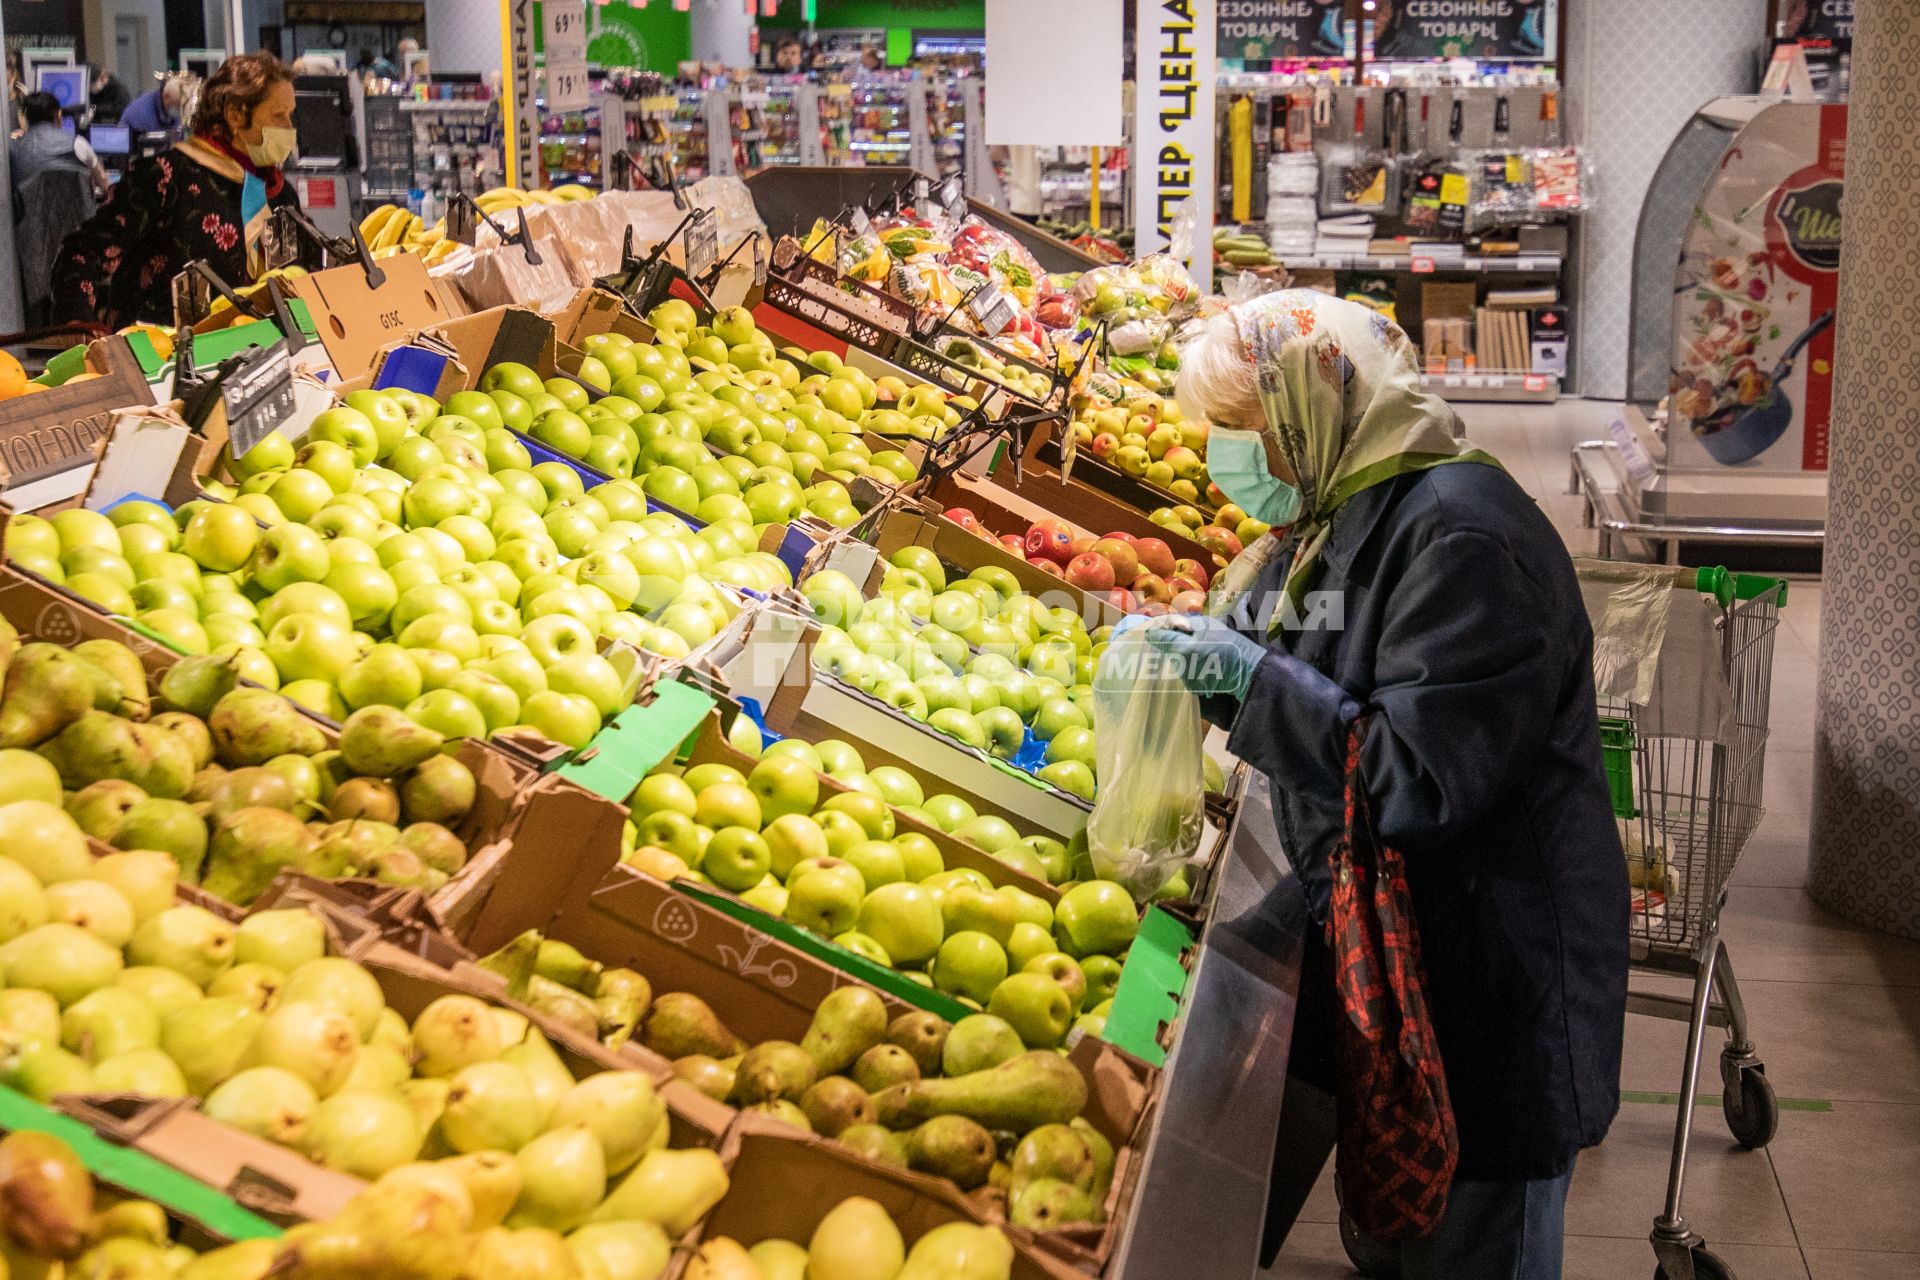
(1397, 1143)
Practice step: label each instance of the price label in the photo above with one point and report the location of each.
(921, 188)
(703, 245)
(953, 197)
(258, 397)
(564, 24)
(567, 86)
(1534, 382)
(992, 309)
(1421, 266)
(860, 222)
(1451, 380)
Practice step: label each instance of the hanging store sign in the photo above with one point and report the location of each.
(564, 28)
(1495, 30)
(1173, 127)
(1282, 30)
(1822, 20)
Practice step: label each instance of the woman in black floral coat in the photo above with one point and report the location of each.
(207, 198)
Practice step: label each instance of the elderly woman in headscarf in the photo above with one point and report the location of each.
(1411, 581)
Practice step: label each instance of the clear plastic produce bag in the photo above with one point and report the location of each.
(1148, 816)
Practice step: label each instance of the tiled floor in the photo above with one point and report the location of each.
(1835, 1012)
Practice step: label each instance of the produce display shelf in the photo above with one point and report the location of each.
(1530, 388)
(1522, 264)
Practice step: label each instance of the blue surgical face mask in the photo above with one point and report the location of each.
(1237, 462)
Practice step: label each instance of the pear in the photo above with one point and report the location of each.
(515, 962)
(363, 1134)
(856, 1241)
(23, 903)
(620, 1000)
(196, 683)
(384, 742)
(340, 984)
(285, 939)
(923, 1035)
(314, 1041)
(1055, 1151)
(621, 1250)
(434, 845)
(619, 1108)
(42, 1071)
(46, 1194)
(146, 878)
(257, 984)
(101, 745)
(312, 776)
(390, 1029)
(489, 1108)
(709, 1075)
(207, 1038)
(959, 1251)
(364, 798)
(246, 1260)
(850, 1021)
(44, 841)
(427, 1099)
(440, 789)
(252, 726)
(884, 1066)
(173, 827)
(107, 1023)
(253, 787)
(1047, 1204)
(347, 848)
(952, 1147)
(721, 1258)
(100, 807)
(378, 1068)
(670, 1187)
(248, 849)
(63, 960)
(47, 689)
(190, 732)
(681, 1023)
(563, 1176)
(492, 1180)
(403, 868)
(779, 1260)
(559, 962)
(773, 1070)
(190, 940)
(128, 677)
(454, 1032)
(267, 1102)
(784, 1111)
(835, 1103)
(530, 1254)
(28, 1015)
(164, 989)
(122, 1258)
(548, 1079)
(878, 1144)
(404, 1230)
(564, 1006)
(131, 1219)
(1018, 1095)
(147, 1072)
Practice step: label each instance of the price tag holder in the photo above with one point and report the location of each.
(1421, 266)
(860, 222)
(703, 245)
(258, 397)
(567, 85)
(953, 197)
(921, 188)
(462, 226)
(992, 309)
(1534, 383)
(564, 25)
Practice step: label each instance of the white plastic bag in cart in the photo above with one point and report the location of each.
(1148, 814)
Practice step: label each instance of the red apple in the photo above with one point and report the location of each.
(1193, 571)
(964, 518)
(1126, 564)
(1219, 541)
(1179, 585)
(1155, 556)
(1014, 543)
(1127, 538)
(1090, 572)
(1105, 444)
(1045, 565)
(1121, 599)
(1215, 498)
(1152, 609)
(1152, 587)
(1052, 539)
(1189, 602)
(1083, 543)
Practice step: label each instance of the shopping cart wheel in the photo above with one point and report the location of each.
(1368, 1258)
(1753, 1113)
(1706, 1266)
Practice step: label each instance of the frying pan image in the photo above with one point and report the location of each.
(1741, 433)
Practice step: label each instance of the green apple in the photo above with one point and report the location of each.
(499, 705)
(837, 757)
(310, 646)
(834, 596)
(969, 964)
(878, 862)
(784, 784)
(799, 749)
(1058, 714)
(663, 792)
(956, 723)
(383, 676)
(736, 859)
(1070, 776)
(1027, 941)
(904, 696)
(1003, 730)
(1098, 917)
(905, 919)
(1103, 979)
(1035, 1006)
(287, 554)
(870, 811)
(948, 811)
(352, 430)
(564, 717)
(554, 636)
(592, 677)
(919, 854)
(218, 537)
(826, 897)
(726, 804)
(967, 907)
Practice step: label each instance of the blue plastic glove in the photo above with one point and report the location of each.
(1213, 659)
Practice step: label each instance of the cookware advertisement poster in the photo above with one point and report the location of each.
(1754, 301)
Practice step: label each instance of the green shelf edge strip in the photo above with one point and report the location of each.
(133, 1171)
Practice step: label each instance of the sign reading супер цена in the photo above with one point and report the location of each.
(1173, 125)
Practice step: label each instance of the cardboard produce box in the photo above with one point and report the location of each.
(1012, 504)
(965, 552)
(48, 437)
(357, 319)
(1042, 455)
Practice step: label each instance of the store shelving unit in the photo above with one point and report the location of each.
(431, 144)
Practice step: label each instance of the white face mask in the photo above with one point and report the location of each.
(274, 148)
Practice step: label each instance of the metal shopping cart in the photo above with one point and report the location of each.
(1684, 662)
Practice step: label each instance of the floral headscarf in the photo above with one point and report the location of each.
(1340, 388)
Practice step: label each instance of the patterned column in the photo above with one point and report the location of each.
(1866, 790)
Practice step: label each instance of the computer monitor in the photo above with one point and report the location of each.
(110, 140)
(68, 85)
(202, 62)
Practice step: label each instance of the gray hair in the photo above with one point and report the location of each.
(1218, 382)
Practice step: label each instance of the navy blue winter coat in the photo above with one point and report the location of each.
(1463, 637)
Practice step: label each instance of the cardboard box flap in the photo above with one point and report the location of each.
(355, 320)
(57, 429)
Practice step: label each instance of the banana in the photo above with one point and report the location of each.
(371, 224)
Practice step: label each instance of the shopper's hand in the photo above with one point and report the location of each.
(1209, 656)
